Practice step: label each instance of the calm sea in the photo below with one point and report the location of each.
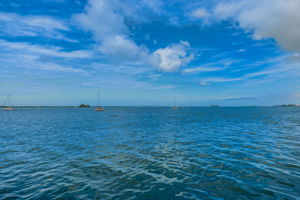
(150, 153)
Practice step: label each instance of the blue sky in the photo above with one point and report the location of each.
(149, 52)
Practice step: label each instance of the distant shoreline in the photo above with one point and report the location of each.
(284, 105)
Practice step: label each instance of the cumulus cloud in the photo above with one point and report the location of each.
(45, 26)
(123, 48)
(103, 19)
(174, 56)
(107, 21)
(277, 19)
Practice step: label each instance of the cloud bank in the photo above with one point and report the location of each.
(107, 21)
(277, 19)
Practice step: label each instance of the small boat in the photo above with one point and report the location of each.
(9, 109)
(7, 103)
(99, 108)
(175, 107)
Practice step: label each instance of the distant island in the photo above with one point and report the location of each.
(87, 106)
(289, 105)
(84, 106)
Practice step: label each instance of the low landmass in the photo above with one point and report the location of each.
(289, 105)
(89, 106)
(84, 106)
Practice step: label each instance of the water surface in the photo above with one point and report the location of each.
(150, 153)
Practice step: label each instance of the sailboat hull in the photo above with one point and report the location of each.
(9, 109)
(99, 109)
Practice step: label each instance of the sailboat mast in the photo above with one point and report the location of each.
(8, 98)
(98, 97)
(6, 102)
(98, 107)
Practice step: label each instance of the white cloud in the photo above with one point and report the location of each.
(29, 61)
(45, 26)
(209, 81)
(25, 55)
(226, 10)
(278, 19)
(281, 67)
(290, 68)
(202, 83)
(154, 76)
(212, 66)
(106, 20)
(200, 13)
(162, 87)
(102, 18)
(154, 5)
(120, 47)
(43, 50)
(202, 69)
(57, 67)
(174, 56)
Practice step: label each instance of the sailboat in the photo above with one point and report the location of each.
(175, 107)
(99, 108)
(6, 104)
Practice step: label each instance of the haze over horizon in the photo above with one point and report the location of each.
(148, 52)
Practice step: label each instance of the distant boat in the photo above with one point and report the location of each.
(99, 108)
(6, 104)
(175, 107)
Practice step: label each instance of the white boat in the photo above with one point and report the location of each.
(6, 104)
(99, 108)
(9, 109)
(175, 107)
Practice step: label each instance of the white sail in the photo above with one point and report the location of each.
(6, 104)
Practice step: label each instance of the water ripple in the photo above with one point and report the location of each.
(150, 153)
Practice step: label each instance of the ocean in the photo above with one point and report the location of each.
(150, 153)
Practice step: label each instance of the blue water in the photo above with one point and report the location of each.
(150, 153)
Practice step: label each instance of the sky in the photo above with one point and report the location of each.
(150, 52)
